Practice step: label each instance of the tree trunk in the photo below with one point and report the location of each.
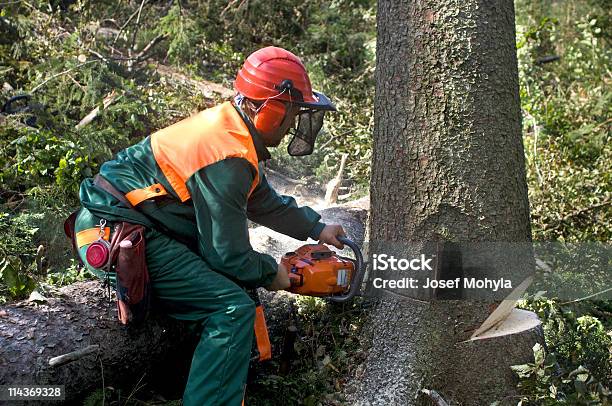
(448, 175)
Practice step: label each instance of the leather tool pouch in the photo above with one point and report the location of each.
(128, 260)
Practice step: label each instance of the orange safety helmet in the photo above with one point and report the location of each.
(273, 75)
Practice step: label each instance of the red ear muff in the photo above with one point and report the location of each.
(269, 116)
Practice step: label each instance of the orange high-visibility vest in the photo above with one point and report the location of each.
(210, 136)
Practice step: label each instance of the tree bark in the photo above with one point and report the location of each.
(33, 333)
(448, 170)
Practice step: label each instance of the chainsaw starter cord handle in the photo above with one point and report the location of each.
(359, 272)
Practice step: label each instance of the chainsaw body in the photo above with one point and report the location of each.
(315, 270)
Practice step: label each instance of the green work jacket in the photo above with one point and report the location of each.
(213, 221)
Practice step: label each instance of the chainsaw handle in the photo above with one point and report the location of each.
(6, 108)
(359, 272)
(295, 280)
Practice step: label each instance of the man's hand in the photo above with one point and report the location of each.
(281, 281)
(330, 233)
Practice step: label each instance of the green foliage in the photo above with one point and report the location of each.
(68, 81)
(546, 387)
(16, 279)
(578, 367)
(96, 398)
(566, 104)
(184, 34)
(341, 60)
(33, 248)
(18, 267)
(71, 274)
(575, 269)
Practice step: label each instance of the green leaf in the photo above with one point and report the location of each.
(538, 352)
(523, 371)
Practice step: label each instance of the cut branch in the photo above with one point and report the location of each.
(331, 195)
(435, 396)
(142, 54)
(110, 98)
(207, 88)
(99, 55)
(73, 356)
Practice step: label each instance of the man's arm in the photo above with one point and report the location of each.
(282, 214)
(219, 193)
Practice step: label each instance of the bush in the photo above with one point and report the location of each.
(18, 265)
(545, 386)
(579, 350)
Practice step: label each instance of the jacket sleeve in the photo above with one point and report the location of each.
(281, 213)
(219, 193)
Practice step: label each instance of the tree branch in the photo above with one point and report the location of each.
(72, 356)
(137, 24)
(125, 25)
(111, 97)
(62, 73)
(141, 55)
(435, 396)
(586, 297)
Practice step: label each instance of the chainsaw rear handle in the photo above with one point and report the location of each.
(359, 273)
(7, 107)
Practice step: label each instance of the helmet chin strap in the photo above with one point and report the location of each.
(241, 102)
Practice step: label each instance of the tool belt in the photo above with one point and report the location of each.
(124, 255)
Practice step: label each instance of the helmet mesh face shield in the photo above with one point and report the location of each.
(305, 134)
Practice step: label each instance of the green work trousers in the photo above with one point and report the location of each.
(187, 289)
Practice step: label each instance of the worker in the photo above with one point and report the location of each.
(193, 186)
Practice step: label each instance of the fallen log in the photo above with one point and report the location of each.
(207, 88)
(34, 335)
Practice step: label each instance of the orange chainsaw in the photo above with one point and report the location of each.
(315, 270)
